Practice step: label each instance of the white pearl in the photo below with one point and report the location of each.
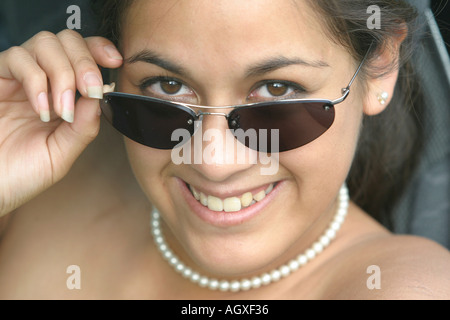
(275, 275)
(195, 277)
(339, 219)
(317, 247)
(162, 247)
(235, 286)
(331, 234)
(265, 279)
(325, 241)
(311, 254)
(294, 265)
(342, 212)
(179, 267)
(302, 260)
(203, 282)
(156, 232)
(159, 240)
(256, 282)
(173, 261)
(213, 284)
(224, 285)
(285, 271)
(167, 254)
(335, 226)
(187, 272)
(245, 284)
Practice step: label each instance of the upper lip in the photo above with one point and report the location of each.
(224, 191)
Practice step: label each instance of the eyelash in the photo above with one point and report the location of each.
(296, 88)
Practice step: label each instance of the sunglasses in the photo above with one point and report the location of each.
(151, 122)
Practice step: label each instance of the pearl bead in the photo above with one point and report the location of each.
(245, 284)
(285, 271)
(294, 265)
(203, 282)
(187, 272)
(331, 234)
(235, 286)
(167, 254)
(317, 247)
(302, 260)
(195, 277)
(256, 282)
(275, 275)
(224, 286)
(265, 279)
(213, 284)
(325, 241)
(335, 226)
(311, 254)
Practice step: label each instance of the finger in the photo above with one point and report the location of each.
(104, 52)
(17, 63)
(88, 76)
(70, 139)
(52, 58)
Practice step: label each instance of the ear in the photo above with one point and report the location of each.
(381, 89)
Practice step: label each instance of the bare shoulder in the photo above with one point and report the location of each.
(397, 267)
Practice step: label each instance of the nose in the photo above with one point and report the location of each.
(222, 156)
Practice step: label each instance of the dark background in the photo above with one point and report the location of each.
(441, 11)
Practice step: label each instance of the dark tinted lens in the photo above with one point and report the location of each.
(147, 121)
(299, 123)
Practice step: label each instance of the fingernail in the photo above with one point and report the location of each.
(113, 53)
(43, 107)
(107, 88)
(94, 85)
(68, 104)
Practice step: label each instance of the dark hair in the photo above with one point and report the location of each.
(390, 143)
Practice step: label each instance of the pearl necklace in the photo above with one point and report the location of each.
(266, 278)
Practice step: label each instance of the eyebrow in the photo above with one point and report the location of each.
(273, 64)
(151, 57)
(258, 69)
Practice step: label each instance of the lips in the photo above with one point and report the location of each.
(231, 204)
(229, 200)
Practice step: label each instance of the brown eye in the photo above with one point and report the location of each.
(171, 86)
(277, 89)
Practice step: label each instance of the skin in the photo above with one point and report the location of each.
(97, 216)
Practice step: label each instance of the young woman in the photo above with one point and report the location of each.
(216, 228)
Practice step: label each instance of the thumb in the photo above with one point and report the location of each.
(69, 140)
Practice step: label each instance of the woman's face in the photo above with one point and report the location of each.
(228, 52)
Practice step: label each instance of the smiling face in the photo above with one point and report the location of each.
(231, 52)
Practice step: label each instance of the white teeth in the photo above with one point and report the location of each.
(246, 199)
(203, 199)
(195, 193)
(215, 204)
(232, 204)
(259, 196)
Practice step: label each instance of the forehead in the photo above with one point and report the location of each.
(231, 30)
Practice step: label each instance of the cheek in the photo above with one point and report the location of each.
(325, 163)
(149, 166)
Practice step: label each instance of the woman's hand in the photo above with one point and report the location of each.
(42, 129)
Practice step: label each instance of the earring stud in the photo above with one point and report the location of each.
(383, 97)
